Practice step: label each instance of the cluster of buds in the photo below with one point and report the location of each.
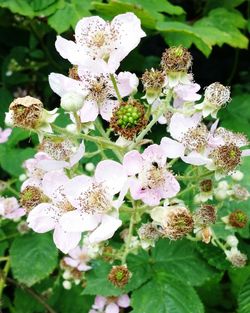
(234, 256)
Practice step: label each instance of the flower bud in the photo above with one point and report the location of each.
(72, 101)
(90, 167)
(237, 175)
(232, 241)
(67, 285)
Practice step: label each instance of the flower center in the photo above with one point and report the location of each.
(217, 94)
(226, 157)
(152, 176)
(95, 200)
(59, 149)
(195, 139)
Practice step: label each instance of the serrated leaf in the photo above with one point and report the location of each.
(214, 256)
(33, 258)
(177, 260)
(18, 6)
(244, 298)
(69, 15)
(11, 160)
(73, 301)
(162, 295)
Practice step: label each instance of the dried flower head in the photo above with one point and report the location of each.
(153, 79)
(205, 215)
(176, 59)
(240, 193)
(179, 222)
(30, 197)
(217, 94)
(238, 219)
(119, 276)
(26, 112)
(128, 119)
(149, 231)
(227, 157)
(206, 185)
(235, 257)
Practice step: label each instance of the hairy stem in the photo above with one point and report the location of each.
(112, 77)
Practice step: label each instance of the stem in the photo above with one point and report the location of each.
(112, 77)
(98, 140)
(152, 122)
(130, 233)
(78, 122)
(3, 277)
(33, 293)
(193, 177)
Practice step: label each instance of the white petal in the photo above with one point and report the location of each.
(69, 50)
(43, 217)
(112, 174)
(76, 157)
(172, 148)
(65, 241)
(195, 158)
(180, 124)
(89, 111)
(52, 181)
(132, 162)
(106, 229)
(106, 109)
(127, 83)
(75, 222)
(61, 85)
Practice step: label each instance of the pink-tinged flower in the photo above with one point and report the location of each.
(78, 258)
(9, 208)
(110, 304)
(186, 93)
(34, 173)
(94, 199)
(98, 91)
(48, 215)
(150, 181)
(100, 46)
(4, 134)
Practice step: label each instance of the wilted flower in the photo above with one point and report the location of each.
(119, 275)
(235, 257)
(216, 95)
(28, 112)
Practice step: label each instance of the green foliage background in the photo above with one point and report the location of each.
(179, 277)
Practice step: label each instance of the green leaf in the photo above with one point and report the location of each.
(73, 301)
(17, 6)
(234, 115)
(140, 269)
(33, 258)
(5, 100)
(183, 30)
(24, 303)
(11, 160)
(214, 256)
(244, 298)
(238, 277)
(177, 259)
(69, 15)
(17, 134)
(162, 295)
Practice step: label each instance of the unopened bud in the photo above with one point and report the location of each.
(72, 102)
(232, 241)
(237, 175)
